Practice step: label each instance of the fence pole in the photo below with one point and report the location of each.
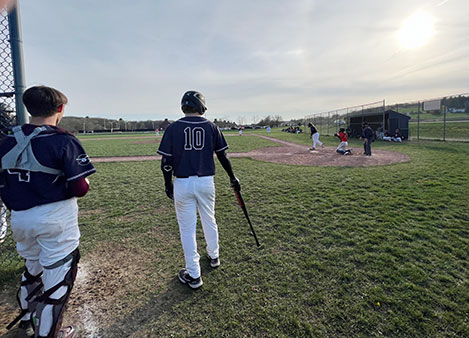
(328, 122)
(16, 44)
(418, 123)
(384, 115)
(444, 123)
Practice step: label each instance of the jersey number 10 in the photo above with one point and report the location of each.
(194, 138)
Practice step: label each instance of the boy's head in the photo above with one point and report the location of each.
(342, 130)
(42, 101)
(193, 103)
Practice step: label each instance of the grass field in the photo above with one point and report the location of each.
(347, 252)
(143, 144)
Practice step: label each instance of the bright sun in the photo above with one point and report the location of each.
(416, 30)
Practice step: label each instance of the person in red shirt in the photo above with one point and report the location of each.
(342, 148)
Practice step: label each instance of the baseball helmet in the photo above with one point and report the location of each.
(195, 100)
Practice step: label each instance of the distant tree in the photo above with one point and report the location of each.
(276, 120)
(267, 121)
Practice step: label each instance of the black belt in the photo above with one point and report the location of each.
(192, 175)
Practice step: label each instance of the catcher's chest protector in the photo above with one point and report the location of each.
(21, 156)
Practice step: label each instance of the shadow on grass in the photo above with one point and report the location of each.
(138, 323)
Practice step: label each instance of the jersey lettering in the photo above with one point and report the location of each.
(23, 175)
(194, 138)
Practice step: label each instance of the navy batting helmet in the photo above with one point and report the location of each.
(195, 100)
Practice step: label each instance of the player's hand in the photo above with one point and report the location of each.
(235, 184)
(169, 191)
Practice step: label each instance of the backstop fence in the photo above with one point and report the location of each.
(9, 259)
(443, 118)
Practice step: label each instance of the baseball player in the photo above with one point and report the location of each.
(187, 148)
(44, 170)
(368, 136)
(342, 148)
(315, 136)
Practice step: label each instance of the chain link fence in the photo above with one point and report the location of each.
(350, 118)
(444, 118)
(8, 256)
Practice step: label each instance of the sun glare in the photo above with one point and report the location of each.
(416, 30)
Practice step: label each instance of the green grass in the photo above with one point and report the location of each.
(336, 242)
(454, 130)
(149, 145)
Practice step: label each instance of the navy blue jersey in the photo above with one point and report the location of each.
(190, 142)
(54, 148)
(368, 133)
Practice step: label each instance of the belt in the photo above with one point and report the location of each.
(192, 175)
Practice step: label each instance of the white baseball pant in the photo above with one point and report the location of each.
(192, 194)
(316, 140)
(46, 234)
(343, 146)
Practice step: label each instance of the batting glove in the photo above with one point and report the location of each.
(235, 184)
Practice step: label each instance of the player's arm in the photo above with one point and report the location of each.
(167, 169)
(79, 187)
(226, 164)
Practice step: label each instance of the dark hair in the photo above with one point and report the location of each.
(342, 130)
(43, 101)
(189, 110)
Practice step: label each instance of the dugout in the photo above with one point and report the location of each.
(392, 121)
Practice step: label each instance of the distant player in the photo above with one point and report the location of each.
(187, 148)
(368, 137)
(315, 136)
(342, 148)
(157, 131)
(44, 170)
(240, 131)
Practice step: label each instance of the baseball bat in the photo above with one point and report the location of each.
(243, 206)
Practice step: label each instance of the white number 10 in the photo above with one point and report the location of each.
(194, 138)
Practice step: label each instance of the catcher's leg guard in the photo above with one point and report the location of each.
(31, 287)
(58, 283)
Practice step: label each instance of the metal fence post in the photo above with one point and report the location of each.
(17, 60)
(418, 122)
(384, 115)
(444, 122)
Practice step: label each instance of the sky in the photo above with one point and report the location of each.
(135, 59)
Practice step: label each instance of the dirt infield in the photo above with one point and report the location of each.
(297, 154)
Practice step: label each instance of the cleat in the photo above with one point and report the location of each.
(185, 278)
(214, 262)
(68, 332)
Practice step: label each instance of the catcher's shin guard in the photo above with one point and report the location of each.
(31, 287)
(50, 309)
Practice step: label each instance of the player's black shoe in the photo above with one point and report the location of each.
(185, 278)
(214, 262)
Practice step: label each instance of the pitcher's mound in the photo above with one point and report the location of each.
(326, 156)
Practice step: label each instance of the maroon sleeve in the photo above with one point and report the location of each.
(78, 188)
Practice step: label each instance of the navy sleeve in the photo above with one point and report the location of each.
(76, 163)
(165, 147)
(220, 142)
